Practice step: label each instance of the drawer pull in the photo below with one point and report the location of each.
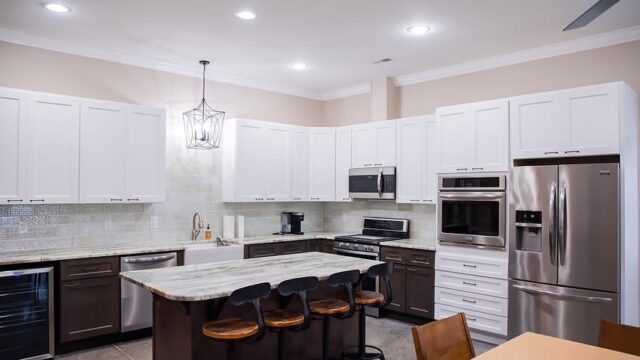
(470, 318)
(36, 200)
(91, 268)
(477, 168)
(421, 262)
(378, 164)
(346, 199)
(461, 169)
(572, 152)
(470, 266)
(469, 283)
(414, 200)
(412, 269)
(14, 200)
(392, 258)
(115, 199)
(469, 301)
(551, 153)
(270, 198)
(71, 285)
(399, 267)
(133, 199)
(418, 309)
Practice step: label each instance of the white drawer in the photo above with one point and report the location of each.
(466, 300)
(476, 320)
(473, 265)
(472, 283)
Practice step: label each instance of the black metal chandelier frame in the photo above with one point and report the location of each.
(203, 124)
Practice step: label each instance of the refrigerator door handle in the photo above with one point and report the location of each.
(552, 224)
(566, 296)
(562, 226)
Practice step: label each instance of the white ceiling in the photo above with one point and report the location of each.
(338, 38)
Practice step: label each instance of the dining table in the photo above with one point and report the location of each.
(529, 346)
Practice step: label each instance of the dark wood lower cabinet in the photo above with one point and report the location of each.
(291, 247)
(89, 308)
(288, 247)
(419, 294)
(397, 281)
(262, 250)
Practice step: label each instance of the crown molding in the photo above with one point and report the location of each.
(22, 38)
(347, 91)
(543, 52)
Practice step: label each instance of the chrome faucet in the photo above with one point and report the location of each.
(197, 226)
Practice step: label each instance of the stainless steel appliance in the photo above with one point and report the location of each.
(136, 302)
(373, 183)
(26, 314)
(564, 257)
(291, 223)
(472, 210)
(367, 245)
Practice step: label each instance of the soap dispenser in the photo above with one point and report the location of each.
(207, 233)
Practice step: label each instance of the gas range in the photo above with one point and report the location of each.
(375, 231)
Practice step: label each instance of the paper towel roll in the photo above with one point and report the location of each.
(240, 226)
(228, 227)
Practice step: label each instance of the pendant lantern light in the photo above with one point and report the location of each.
(203, 124)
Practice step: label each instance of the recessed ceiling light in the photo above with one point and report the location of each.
(418, 29)
(299, 66)
(57, 8)
(246, 15)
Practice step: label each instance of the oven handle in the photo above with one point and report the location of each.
(475, 195)
(339, 251)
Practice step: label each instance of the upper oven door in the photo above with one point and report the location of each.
(472, 218)
(373, 183)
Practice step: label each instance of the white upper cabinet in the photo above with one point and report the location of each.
(490, 122)
(574, 122)
(343, 162)
(591, 123)
(13, 146)
(103, 133)
(416, 144)
(145, 165)
(322, 164)
(53, 149)
(276, 152)
(474, 137)
(374, 144)
(299, 164)
(535, 125)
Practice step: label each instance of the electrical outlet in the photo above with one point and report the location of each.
(23, 228)
(108, 225)
(154, 222)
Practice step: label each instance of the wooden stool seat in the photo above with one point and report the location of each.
(329, 306)
(283, 318)
(366, 297)
(230, 329)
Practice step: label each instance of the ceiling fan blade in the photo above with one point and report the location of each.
(588, 16)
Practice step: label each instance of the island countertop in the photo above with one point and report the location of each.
(217, 280)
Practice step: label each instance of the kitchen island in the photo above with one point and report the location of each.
(186, 297)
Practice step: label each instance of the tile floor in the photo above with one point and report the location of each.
(394, 337)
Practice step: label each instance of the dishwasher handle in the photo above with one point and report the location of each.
(149, 259)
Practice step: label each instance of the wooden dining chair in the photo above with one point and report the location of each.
(446, 339)
(619, 337)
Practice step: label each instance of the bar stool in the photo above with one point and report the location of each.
(280, 320)
(233, 330)
(325, 309)
(370, 298)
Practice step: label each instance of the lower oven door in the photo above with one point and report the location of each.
(367, 282)
(472, 218)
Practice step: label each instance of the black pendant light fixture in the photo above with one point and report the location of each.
(203, 124)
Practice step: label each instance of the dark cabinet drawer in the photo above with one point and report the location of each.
(397, 282)
(263, 250)
(419, 284)
(314, 245)
(394, 255)
(327, 246)
(420, 258)
(89, 307)
(292, 247)
(89, 268)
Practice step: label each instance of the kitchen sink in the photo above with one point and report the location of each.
(208, 252)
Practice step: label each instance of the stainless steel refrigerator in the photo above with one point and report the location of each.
(564, 250)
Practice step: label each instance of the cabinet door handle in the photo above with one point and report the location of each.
(71, 285)
(469, 301)
(133, 199)
(551, 153)
(115, 199)
(414, 200)
(259, 199)
(461, 169)
(470, 266)
(469, 283)
(315, 198)
(367, 164)
(412, 269)
(429, 201)
(470, 318)
(36, 200)
(377, 164)
(297, 198)
(270, 198)
(15, 200)
(477, 168)
(572, 152)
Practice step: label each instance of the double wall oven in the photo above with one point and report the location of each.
(472, 210)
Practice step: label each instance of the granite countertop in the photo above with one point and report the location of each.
(265, 239)
(412, 244)
(216, 280)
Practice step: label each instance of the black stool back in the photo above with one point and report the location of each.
(252, 294)
(347, 279)
(382, 271)
(300, 287)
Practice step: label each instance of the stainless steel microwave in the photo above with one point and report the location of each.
(472, 210)
(373, 183)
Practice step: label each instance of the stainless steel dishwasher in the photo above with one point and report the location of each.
(136, 302)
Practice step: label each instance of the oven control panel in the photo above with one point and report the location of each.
(356, 247)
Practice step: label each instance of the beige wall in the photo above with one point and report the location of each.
(612, 63)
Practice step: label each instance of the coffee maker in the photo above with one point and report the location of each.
(291, 223)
